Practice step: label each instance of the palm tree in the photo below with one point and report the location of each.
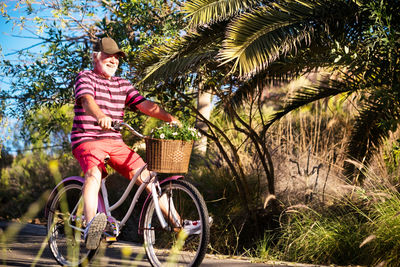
(261, 40)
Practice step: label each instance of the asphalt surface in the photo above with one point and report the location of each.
(27, 248)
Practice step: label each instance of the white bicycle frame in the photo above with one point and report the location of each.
(104, 205)
(154, 187)
(155, 193)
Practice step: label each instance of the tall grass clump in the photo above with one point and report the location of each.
(360, 228)
(307, 235)
(384, 226)
(383, 219)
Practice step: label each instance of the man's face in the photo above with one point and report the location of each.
(106, 64)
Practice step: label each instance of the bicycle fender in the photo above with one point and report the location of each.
(101, 207)
(141, 218)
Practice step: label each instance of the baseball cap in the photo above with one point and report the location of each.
(108, 46)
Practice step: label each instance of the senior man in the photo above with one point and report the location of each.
(100, 99)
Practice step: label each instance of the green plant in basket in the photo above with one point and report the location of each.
(170, 131)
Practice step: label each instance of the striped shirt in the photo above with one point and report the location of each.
(112, 96)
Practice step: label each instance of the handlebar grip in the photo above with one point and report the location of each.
(116, 125)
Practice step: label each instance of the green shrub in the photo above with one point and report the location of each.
(27, 178)
(310, 236)
(363, 230)
(384, 229)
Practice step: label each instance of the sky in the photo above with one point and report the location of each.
(9, 40)
(10, 43)
(13, 39)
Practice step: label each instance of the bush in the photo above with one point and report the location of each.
(382, 241)
(309, 236)
(27, 178)
(362, 230)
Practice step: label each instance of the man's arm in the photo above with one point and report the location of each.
(152, 109)
(92, 109)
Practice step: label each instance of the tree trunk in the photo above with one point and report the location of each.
(204, 107)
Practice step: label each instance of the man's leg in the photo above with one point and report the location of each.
(90, 192)
(169, 211)
(95, 224)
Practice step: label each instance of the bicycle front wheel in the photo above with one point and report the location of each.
(64, 223)
(172, 246)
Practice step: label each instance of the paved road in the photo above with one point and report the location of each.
(24, 248)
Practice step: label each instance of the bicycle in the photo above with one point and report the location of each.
(163, 242)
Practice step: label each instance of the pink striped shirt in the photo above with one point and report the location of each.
(112, 96)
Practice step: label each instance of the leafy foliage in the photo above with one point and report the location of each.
(45, 78)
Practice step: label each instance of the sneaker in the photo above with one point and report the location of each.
(94, 230)
(194, 227)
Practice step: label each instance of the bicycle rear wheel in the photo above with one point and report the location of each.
(63, 223)
(169, 246)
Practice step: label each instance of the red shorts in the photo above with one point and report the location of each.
(122, 158)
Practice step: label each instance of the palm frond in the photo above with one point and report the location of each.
(210, 11)
(308, 95)
(178, 66)
(370, 129)
(185, 52)
(253, 88)
(257, 38)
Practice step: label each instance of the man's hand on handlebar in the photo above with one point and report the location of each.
(105, 123)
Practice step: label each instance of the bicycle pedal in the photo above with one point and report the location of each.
(111, 239)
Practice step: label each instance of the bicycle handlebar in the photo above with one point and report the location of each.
(117, 126)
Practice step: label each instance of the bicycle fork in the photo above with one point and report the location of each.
(156, 194)
(166, 200)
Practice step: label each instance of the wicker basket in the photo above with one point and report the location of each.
(168, 156)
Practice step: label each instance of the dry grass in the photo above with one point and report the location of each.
(309, 151)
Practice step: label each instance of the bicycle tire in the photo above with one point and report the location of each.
(67, 244)
(162, 245)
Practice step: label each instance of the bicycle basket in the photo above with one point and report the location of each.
(168, 156)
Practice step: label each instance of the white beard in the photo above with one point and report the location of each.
(107, 71)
